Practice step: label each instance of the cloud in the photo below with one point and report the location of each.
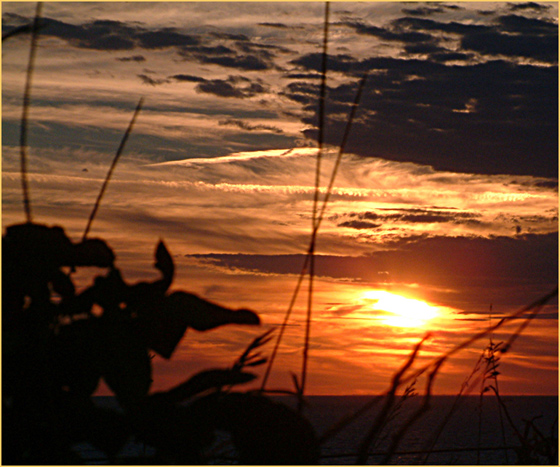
(412, 215)
(528, 6)
(416, 105)
(188, 78)
(240, 53)
(389, 34)
(425, 10)
(234, 86)
(510, 35)
(535, 46)
(410, 110)
(133, 58)
(114, 35)
(359, 225)
(151, 81)
(164, 38)
(241, 62)
(249, 127)
(274, 25)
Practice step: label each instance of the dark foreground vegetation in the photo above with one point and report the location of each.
(55, 351)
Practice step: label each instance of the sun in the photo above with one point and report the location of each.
(396, 310)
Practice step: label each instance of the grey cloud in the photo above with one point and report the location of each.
(441, 57)
(303, 76)
(152, 82)
(539, 47)
(243, 62)
(274, 25)
(359, 225)
(430, 10)
(363, 220)
(164, 38)
(240, 53)
(234, 86)
(227, 57)
(312, 61)
(233, 37)
(114, 35)
(423, 11)
(528, 6)
(133, 58)
(492, 117)
(531, 38)
(389, 34)
(188, 78)
(248, 127)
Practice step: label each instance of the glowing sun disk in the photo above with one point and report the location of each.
(400, 311)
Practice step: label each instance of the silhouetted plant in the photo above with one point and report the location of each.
(58, 344)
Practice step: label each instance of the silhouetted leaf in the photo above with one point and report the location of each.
(247, 358)
(164, 263)
(203, 315)
(38, 244)
(77, 353)
(92, 252)
(126, 365)
(62, 284)
(164, 320)
(31, 256)
(161, 329)
(108, 291)
(261, 361)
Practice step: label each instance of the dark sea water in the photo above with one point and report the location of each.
(476, 432)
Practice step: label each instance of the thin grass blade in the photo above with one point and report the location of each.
(25, 112)
(112, 168)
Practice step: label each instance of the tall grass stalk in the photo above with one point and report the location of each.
(315, 206)
(112, 168)
(25, 112)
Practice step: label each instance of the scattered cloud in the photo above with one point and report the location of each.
(188, 78)
(133, 58)
(249, 127)
(528, 6)
(234, 86)
(151, 81)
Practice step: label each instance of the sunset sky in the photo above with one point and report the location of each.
(445, 205)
